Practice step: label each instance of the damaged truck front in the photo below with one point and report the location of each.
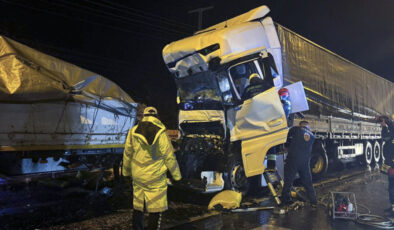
(226, 136)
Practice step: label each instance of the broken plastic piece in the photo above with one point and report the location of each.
(227, 199)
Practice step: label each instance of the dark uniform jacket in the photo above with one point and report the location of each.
(388, 137)
(299, 144)
(256, 86)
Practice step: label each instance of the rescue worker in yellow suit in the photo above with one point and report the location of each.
(147, 156)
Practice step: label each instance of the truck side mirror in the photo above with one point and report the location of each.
(214, 63)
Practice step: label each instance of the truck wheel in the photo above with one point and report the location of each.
(377, 154)
(368, 153)
(319, 161)
(236, 179)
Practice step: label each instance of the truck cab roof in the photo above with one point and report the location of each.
(240, 36)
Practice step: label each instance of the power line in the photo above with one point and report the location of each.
(159, 19)
(143, 12)
(79, 19)
(100, 13)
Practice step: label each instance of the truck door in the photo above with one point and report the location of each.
(260, 122)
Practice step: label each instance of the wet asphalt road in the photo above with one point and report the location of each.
(370, 190)
(191, 213)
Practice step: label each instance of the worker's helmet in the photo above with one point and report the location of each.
(150, 111)
(284, 92)
(253, 75)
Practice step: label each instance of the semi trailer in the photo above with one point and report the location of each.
(56, 116)
(344, 100)
(225, 138)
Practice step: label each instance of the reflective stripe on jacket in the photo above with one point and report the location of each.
(147, 156)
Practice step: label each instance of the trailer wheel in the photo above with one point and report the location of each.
(319, 161)
(377, 154)
(368, 153)
(236, 179)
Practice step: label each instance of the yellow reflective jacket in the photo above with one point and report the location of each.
(147, 156)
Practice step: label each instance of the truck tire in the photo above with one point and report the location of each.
(377, 153)
(236, 179)
(319, 161)
(368, 153)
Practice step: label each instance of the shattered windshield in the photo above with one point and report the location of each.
(199, 87)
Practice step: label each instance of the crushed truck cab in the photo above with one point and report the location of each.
(225, 136)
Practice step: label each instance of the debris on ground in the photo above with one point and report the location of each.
(227, 199)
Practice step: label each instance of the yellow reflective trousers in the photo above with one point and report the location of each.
(147, 156)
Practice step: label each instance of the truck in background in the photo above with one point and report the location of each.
(56, 115)
(225, 138)
(343, 101)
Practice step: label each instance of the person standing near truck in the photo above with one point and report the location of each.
(388, 152)
(147, 156)
(299, 144)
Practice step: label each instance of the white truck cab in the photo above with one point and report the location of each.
(225, 136)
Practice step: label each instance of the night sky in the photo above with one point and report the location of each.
(123, 40)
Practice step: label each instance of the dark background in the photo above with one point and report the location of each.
(123, 40)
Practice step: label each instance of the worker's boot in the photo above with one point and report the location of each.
(138, 220)
(154, 222)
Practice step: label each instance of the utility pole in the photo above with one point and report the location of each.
(199, 11)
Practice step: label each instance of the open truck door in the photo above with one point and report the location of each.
(260, 124)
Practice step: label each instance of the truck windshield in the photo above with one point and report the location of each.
(240, 75)
(199, 87)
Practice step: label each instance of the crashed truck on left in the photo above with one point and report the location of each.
(55, 115)
(225, 138)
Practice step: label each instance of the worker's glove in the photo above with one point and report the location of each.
(176, 182)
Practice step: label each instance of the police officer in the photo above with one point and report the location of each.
(256, 86)
(299, 144)
(147, 156)
(388, 152)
